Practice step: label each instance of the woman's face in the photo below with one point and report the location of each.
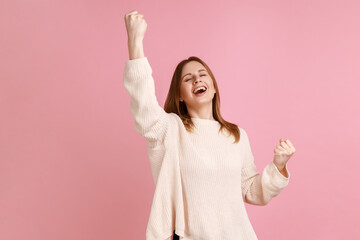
(194, 75)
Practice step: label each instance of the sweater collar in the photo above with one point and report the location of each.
(200, 121)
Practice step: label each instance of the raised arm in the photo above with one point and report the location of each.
(151, 121)
(259, 188)
(136, 27)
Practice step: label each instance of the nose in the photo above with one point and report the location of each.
(196, 80)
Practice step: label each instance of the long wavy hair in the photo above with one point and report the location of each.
(174, 105)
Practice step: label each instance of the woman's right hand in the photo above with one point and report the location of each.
(135, 26)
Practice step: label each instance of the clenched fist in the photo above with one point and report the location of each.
(135, 26)
(283, 152)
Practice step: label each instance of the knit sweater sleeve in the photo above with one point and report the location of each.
(150, 119)
(259, 188)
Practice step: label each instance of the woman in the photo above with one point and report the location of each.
(202, 165)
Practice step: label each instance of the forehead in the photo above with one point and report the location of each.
(191, 67)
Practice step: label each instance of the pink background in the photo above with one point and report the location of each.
(72, 165)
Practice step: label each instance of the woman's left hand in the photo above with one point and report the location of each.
(283, 153)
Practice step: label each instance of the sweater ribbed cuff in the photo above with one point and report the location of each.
(138, 68)
(278, 180)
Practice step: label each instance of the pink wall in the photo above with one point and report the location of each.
(72, 165)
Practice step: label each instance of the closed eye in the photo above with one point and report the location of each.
(191, 78)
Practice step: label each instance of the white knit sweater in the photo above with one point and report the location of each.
(202, 179)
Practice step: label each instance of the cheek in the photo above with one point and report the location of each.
(210, 84)
(185, 90)
(182, 91)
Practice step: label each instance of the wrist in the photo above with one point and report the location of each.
(280, 167)
(136, 49)
(135, 41)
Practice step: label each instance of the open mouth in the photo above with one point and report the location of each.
(201, 91)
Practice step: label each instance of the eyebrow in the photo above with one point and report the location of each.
(190, 73)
